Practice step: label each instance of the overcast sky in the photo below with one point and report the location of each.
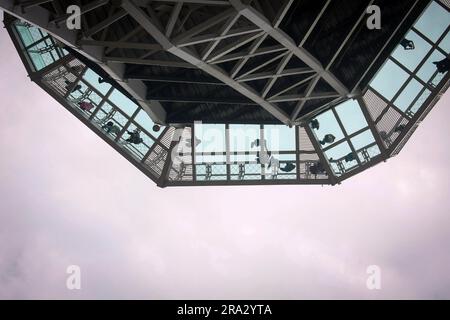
(67, 198)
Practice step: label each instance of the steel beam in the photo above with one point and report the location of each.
(301, 104)
(373, 128)
(33, 3)
(119, 44)
(214, 37)
(300, 97)
(145, 3)
(255, 46)
(147, 62)
(173, 18)
(293, 86)
(84, 9)
(144, 20)
(200, 100)
(261, 21)
(105, 23)
(173, 79)
(202, 26)
(271, 75)
(244, 55)
(242, 41)
(224, 31)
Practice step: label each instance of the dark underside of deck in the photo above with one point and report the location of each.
(189, 94)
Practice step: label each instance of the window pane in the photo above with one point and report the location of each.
(338, 152)
(36, 34)
(211, 172)
(104, 114)
(363, 140)
(212, 140)
(241, 136)
(91, 77)
(146, 122)
(433, 21)
(79, 93)
(411, 58)
(141, 149)
(429, 68)
(436, 80)
(328, 125)
(29, 34)
(287, 166)
(279, 138)
(419, 103)
(25, 35)
(351, 116)
(368, 154)
(122, 102)
(408, 95)
(38, 62)
(389, 80)
(445, 44)
(245, 171)
(336, 157)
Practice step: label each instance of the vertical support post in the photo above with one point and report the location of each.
(297, 151)
(227, 148)
(261, 137)
(193, 151)
(321, 155)
(163, 179)
(373, 129)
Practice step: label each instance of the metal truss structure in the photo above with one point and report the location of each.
(136, 66)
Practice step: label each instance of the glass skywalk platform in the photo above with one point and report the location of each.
(339, 140)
